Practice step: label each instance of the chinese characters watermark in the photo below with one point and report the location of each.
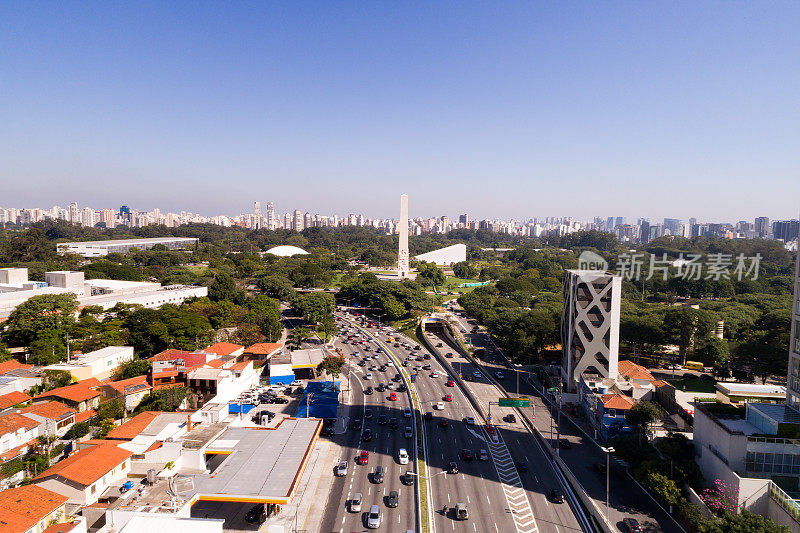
(635, 266)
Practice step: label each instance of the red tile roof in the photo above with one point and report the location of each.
(65, 527)
(52, 410)
(617, 401)
(11, 422)
(13, 398)
(241, 365)
(12, 364)
(215, 363)
(22, 507)
(631, 370)
(130, 429)
(85, 415)
(88, 465)
(13, 453)
(263, 348)
(129, 386)
(77, 392)
(223, 348)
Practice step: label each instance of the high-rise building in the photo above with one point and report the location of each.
(793, 379)
(74, 214)
(644, 231)
(257, 208)
(785, 230)
(673, 225)
(403, 264)
(297, 221)
(590, 324)
(761, 227)
(271, 222)
(463, 219)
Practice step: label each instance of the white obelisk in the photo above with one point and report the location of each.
(403, 267)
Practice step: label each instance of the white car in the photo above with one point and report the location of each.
(407, 412)
(341, 469)
(296, 383)
(483, 455)
(374, 517)
(355, 503)
(402, 456)
(434, 374)
(368, 375)
(476, 374)
(439, 406)
(470, 421)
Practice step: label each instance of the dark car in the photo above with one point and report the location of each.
(555, 496)
(522, 466)
(256, 515)
(393, 423)
(510, 418)
(452, 467)
(402, 388)
(367, 435)
(357, 424)
(633, 525)
(326, 431)
(383, 420)
(368, 390)
(443, 423)
(377, 476)
(466, 454)
(368, 414)
(564, 444)
(280, 399)
(393, 499)
(428, 416)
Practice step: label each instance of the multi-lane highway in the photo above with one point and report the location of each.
(498, 496)
(386, 421)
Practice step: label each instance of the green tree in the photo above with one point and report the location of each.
(642, 415)
(5, 354)
(428, 274)
(47, 312)
(685, 326)
(764, 353)
(276, 286)
(464, 270)
(314, 306)
(131, 369)
(332, 365)
(663, 487)
(224, 288)
(48, 348)
(394, 309)
(326, 328)
(297, 337)
(104, 428)
(743, 522)
(78, 430)
(167, 400)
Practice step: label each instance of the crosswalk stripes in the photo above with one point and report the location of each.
(512, 486)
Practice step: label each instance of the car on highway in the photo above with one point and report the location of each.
(483, 455)
(499, 375)
(408, 478)
(461, 511)
(444, 423)
(452, 467)
(357, 424)
(408, 433)
(555, 496)
(564, 444)
(341, 469)
(522, 465)
(402, 388)
(368, 391)
(448, 397)
(407, 412)
(377, 476)
(393, 397)
(511, 418)
(402, 456)
(363, 458)
(466, 454)
(368, 414)
(374, 517)
(632, 525)
(439, 405)
(368, 375)
(470, 421)
(355, 503)
(393, 499)
(476, 374)
(367, 435)
(393, 423)
(256, 515)
(383, 420)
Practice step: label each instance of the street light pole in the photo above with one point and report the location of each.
(608, 451)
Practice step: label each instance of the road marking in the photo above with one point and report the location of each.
(511, 484)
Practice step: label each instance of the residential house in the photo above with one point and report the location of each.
(81, 396)
(223, 349)
(100, 364)
(30, 509)
(223, 383)
(153, 438)
(86, 474)
(17, 377)
(9, 401)
(611, 412)
(18, 434)
(262, 352)
(56, 418)
(133, 391)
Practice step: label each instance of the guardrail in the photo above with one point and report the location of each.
(784, 500)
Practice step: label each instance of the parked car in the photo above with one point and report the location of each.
(357, 424)
(393, 423)
(256, 515)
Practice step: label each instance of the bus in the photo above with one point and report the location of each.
(693, 365)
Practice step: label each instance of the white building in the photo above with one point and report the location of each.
(101, 248)
(590, 324)
(445, 256)
(99, 364)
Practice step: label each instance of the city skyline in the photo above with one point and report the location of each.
(514, 111)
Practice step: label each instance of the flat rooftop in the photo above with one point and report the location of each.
(750, 389)
(262, 465)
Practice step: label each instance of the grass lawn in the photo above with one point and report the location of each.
(196, 269)
(693, 385)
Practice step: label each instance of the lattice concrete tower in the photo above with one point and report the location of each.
(403, 267)
(590, 324)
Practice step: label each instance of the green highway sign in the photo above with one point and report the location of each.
(552, 389)
(513, 402)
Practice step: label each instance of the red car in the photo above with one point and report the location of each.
(450, 383)
(443, 423)
(448, 398)
(363, 457)
(393, 397)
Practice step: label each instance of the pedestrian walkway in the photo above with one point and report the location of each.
(512, 485)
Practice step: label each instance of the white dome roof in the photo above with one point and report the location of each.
(286, 251)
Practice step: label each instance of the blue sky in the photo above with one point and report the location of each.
(497, 109)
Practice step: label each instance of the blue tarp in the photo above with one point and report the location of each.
(324, 401)
(286, 379)
(235, 408)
